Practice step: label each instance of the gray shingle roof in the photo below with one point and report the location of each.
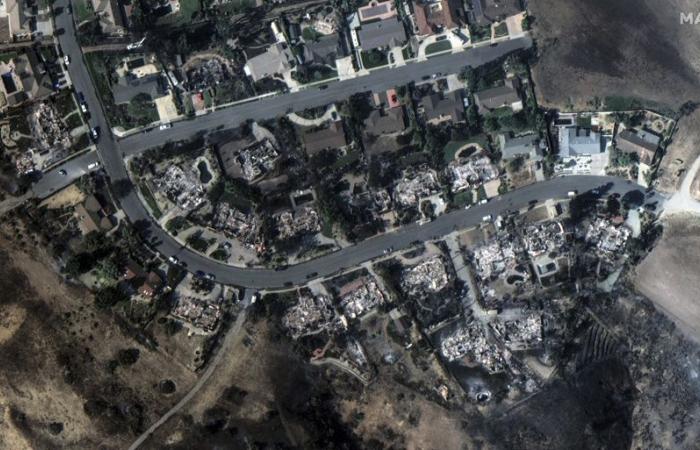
(436, 106)
(575, 141)
(128, 88)
(520, 146)
(641, 142)
(383, 33)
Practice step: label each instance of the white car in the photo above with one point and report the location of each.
(487, 218)
(165, 126)
(66, 60)
(93, 165)
(484, 201)
(173, 260)
(83, 108)
(572, 193)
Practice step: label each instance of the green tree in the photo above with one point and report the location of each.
(109, 296)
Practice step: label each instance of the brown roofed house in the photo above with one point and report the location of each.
(486, 12)
(132, 270)
(437, 108)
(93, 216)
(317, 139)
(151, 285)
(436, 15)
(386, 122)
(639, 142)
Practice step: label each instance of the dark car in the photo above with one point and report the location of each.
(323, 86)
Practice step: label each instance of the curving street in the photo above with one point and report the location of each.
(111, 154)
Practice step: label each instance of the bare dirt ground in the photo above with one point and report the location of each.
(680, 154)
(59, 384)
(599, 48)
(70, 196)
(669, 275)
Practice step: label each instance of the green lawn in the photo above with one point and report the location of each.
(219, 254)
(451, 149)
(73, 120)
(7, 56)
(464, 198)
(152, 204)
(374, 58)
(83, 11)
(188, 8)
(501, 30)
(436, 47)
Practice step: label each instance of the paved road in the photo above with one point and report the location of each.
(220, 353)
(371, 248)
(74, 168)
(313, 97)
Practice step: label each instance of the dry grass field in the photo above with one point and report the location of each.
(628, 48)
(59, 386)
(669, 275)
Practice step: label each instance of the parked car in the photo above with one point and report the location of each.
(174, 260)
(95, 133)
(62, 172)
(165, 126)
(572, 193)
(66, 60)
(93, 166)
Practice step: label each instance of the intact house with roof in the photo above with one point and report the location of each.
(275, 61)
(24, 79)
(638, 142)
(382, 34)
(438, 107)
(583, 151)
(486, 12)
(111, 16)
(435, 16)
(129, 86)
(329, 136)
(375, 10)
(323, 51)
(384, 122)
(527, 146)
(93, 215)
(506, 96)
(17, 22)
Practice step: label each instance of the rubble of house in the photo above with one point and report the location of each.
(257, 159)
(360, 296)
(381, 200)
(608, 238)
(414, 187)
(521, 333)
(472, 172)
(543, 238)
(472, 342)
(207, 73)
(182, 187)
(302, 221)
(49, 132)
(499, 267)
(236, 224)
(430, 275)
(311, 315)
(545, 243)
(198, 312)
